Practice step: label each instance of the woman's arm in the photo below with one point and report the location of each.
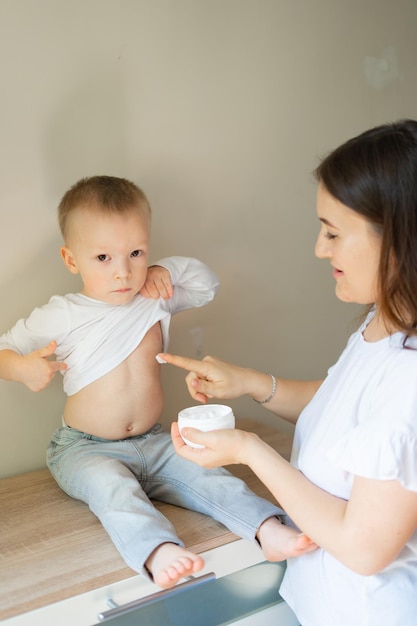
(214, 378)
(365, 533)
(360, 533)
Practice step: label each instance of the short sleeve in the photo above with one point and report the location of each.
(378, 451)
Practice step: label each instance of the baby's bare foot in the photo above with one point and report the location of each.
(169, 563)
(280, 542)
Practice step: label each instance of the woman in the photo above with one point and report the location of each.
(352, 482)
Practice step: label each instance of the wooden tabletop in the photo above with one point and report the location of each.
(52, 547)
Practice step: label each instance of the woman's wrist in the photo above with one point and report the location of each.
(264, 389)
(273, 390)
(248, 447)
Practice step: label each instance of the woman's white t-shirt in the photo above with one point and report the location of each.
(362, 421)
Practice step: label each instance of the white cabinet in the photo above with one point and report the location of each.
(244, 589)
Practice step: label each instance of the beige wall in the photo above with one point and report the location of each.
(220, 109)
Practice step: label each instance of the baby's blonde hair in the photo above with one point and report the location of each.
(104, 193)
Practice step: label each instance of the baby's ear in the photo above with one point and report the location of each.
(69, 260)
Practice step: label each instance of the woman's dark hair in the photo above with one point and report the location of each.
(375, 174)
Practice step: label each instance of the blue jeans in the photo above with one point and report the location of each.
(118, 478)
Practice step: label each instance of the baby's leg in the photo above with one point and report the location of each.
(169, 562)
(279, 542)
(92, 472)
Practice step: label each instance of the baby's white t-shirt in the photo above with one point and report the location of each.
(94, 337)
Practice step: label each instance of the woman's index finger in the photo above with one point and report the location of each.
(192, 365)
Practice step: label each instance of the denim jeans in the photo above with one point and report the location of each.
(118, 478)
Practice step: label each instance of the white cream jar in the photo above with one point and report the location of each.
(205, 417)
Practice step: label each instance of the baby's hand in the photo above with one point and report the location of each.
(157, 284)
(37, 370)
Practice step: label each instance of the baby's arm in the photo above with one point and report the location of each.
(184, 282)
(195, 284)
(34, 370)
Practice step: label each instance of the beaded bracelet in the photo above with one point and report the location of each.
(271, 395)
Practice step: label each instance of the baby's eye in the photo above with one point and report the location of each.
(136, 253)
(102, 257)
(330, 235)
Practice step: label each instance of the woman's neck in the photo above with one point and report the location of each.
(376, 329)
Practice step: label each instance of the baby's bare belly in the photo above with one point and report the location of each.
(127, 401)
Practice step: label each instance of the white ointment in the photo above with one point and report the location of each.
(205, 417)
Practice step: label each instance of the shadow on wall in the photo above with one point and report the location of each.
(43, 276)
(87, 135)
(28, 419)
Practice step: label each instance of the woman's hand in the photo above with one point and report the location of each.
(214, 378)
(211, 377)
(222, 447)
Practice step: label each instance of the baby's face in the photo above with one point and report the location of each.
(110, 252)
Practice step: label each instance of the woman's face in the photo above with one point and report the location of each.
(353, 247)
